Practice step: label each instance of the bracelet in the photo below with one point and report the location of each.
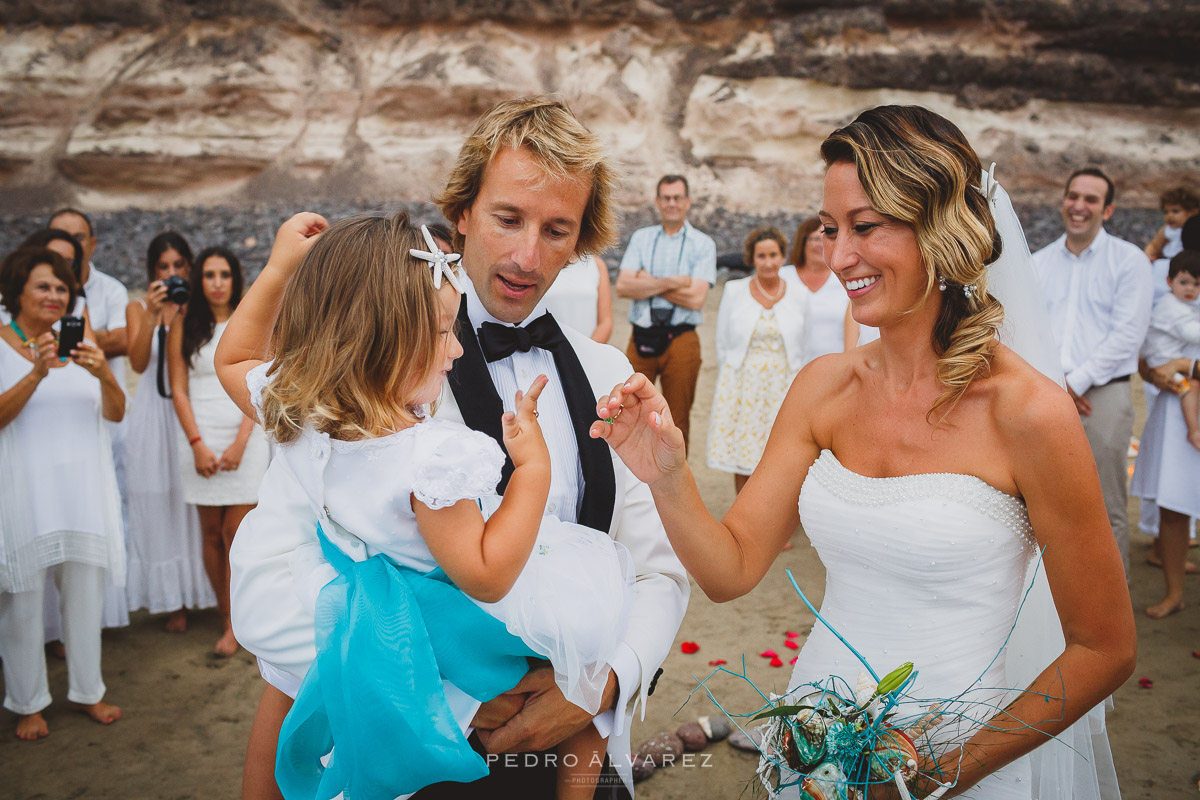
(192, 442)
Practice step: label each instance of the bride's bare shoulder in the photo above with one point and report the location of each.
(1025, 402)
(830, 374)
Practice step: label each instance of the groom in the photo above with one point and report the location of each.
(530, 189)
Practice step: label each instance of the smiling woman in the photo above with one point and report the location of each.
(930, 465)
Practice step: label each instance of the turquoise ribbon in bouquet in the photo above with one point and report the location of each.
(386, 636)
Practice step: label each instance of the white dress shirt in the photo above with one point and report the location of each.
(826, 313)
(1174, 331)
(107, 298)
(1099, 304)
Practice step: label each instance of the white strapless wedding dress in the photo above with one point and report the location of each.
(931, 569)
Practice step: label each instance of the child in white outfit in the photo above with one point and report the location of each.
(433, 590)
(1175, 331)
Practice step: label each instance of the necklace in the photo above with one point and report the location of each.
(17, 328)
(773, 298)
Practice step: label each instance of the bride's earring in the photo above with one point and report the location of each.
(941, 284)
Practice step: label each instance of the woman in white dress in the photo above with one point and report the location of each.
(581, 297)
(60, 511)
(166, 567)
(222, 453)
(762, 331)
(827, 301)
(926, 466)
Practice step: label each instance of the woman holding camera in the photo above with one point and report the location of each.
(59, 506)
(166, 565)
(226, 454)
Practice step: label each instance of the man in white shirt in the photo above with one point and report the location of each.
(106, 296)
(530, 190)
(1098, 292)
(667, 271)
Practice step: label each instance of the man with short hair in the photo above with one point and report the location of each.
(1098, 292)
(530, 190)
(106, 296)
(667, 271)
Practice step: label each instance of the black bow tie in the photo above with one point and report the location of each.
(501, 341)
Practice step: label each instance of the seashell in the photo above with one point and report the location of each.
(893, 753)
(826, 782)
(804, 740)
(864, 691)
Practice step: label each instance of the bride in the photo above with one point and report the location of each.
(929, 466)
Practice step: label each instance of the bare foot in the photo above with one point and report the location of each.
(177, 622)
(226, 646)
(1164, 609)
(1189, 567)
(31, 727)
(56, 649)
(101, 712)
(787, 545)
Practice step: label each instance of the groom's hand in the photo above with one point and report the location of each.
(547, 717)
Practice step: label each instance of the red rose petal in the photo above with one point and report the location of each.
(794, 660)
(689, 647)
(775, 662)
(716, 662)
(769, 654)
(791, 634)
(790, 645)
(1145, 683)
(1196, 654)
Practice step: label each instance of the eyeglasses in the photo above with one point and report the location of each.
(668, 199)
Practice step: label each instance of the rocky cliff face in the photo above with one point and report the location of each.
(156, 104)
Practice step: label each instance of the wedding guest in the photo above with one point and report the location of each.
(581, 296)
(1178, 205)
(1168, 460)
(667, 271)
(762, 335)
(166, 564)
(59, 507)
(222, 453)
(827, 301)
(65, 245)
(1098, 294)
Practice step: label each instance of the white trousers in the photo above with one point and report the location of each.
(26, 690)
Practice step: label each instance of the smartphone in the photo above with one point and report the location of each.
(70, 334)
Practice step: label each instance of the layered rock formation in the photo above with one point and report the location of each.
(155, 104)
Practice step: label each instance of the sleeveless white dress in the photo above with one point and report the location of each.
(926, 568)
(166, 568)
(218, 419)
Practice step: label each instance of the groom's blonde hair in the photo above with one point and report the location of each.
(561, 147)
(356, 336)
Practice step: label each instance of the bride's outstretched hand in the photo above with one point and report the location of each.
(637, 424)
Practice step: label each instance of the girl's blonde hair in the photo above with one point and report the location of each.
(356, 336)
(918, 167)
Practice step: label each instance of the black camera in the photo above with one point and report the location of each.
(177, 290)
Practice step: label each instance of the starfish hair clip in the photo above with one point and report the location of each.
(439, 262)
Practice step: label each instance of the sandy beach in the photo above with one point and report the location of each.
(187, 715)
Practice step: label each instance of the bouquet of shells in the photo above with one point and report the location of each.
(834, 742)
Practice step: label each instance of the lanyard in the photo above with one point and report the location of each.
(682, 245)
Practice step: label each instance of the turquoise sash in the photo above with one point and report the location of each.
(386, 636)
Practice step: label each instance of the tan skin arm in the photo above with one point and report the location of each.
(1060, 487)
(1155, 248)
(604, 315)
(112, 397)
(641, 285)
(114, 343)
(246, 341)
(14, 399)
(692, 296)
(140, 325)
(484, 558)
(206, 461)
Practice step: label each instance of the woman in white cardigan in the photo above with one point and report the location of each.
(762, 331)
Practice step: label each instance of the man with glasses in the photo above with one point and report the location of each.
(667, 271)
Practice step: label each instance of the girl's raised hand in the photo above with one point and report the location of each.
(637, 424)
(522, 434)
(294, 239)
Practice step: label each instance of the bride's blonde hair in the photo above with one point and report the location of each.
(918, 167)
(356, 334)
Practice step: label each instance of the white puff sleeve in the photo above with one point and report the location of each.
(460, 464)
(256, 382)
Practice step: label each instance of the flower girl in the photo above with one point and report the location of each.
(434, 590)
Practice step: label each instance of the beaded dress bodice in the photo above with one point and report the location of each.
(923, 568)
